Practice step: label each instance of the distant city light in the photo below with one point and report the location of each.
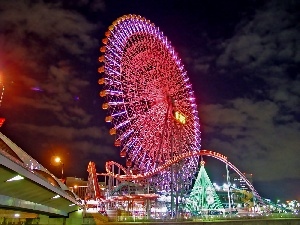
(217, 187)
(2, 121)
(225, 186)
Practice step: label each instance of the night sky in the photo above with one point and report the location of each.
(242, 57)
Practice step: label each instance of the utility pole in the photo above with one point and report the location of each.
(228, 192)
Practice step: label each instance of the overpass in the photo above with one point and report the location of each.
(27, 187)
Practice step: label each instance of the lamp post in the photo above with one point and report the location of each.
(57, 161)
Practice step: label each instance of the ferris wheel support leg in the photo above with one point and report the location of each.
(148, 208)
(176, 205)
(172, 177)
(229, 194)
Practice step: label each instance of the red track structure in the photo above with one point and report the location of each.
(130, 176)
(93, 190)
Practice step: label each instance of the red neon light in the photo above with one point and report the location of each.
(2, 121)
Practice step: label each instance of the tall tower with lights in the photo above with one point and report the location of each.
(1, 98)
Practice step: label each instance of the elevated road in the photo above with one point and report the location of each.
(27, 186)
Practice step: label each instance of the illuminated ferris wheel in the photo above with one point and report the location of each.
(149, 99)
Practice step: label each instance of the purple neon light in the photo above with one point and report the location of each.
(143, 71)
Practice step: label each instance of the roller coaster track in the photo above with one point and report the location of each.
(130, 176)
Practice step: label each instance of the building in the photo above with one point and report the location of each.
(239, 183)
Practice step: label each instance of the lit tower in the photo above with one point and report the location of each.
(203, 198)
(1, 98)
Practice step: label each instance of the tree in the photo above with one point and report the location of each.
(203, 198)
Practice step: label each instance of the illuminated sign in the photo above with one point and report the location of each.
(180, 117)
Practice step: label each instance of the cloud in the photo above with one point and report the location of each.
(64, 28)
(270, 37)
(68, 141)
(68, 133)
(246, 132)
(92, 5)
(257, 127)
(42, 48)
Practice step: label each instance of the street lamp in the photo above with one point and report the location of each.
(57, 161)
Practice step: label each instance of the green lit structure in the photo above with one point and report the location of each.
(203, 199)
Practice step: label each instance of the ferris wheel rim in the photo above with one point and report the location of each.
(119, 47)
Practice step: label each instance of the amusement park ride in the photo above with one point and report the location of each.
(151, 107)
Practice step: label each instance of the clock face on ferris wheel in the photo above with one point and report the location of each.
(149, 98)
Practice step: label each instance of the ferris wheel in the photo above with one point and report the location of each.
(149, 98)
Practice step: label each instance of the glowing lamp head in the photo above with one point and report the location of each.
(57, 159)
